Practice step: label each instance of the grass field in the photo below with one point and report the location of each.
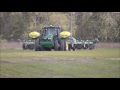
(97, 63)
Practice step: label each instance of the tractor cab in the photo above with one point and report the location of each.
(51, 30)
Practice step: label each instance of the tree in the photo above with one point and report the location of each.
(102, 25)
(85, 25)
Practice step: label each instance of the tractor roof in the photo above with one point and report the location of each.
(51, 26)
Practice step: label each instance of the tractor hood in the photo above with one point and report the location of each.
(48, 37)
(47, 41)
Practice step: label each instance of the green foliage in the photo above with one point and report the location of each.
(102, 25)
(12, 25)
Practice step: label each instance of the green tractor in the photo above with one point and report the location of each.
(51, 38)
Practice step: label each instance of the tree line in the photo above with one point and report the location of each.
(85, 25)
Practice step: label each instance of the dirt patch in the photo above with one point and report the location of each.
(4, 62)
(84, 60)
(15, 45)
(107, 45)
(5, 75)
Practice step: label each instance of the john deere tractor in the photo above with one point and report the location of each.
(51, 38)
(54, 38)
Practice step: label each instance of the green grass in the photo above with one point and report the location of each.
(105, 53)
(97, 63)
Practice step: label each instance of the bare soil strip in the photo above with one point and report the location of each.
(6, 75)
(84, 60)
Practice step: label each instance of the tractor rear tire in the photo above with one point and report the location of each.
(56, 45)
(37, 47)
(62, 45)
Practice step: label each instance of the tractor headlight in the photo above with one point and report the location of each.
(44, 39)
(49, 39)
